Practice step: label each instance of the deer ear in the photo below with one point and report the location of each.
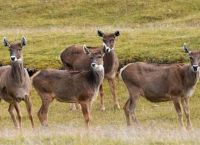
(100, 33)
(86, 50)
(116, 33)
(5, 42)
(185, 48)
(23, 41)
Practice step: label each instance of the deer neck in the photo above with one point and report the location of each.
(18, 72)
(109, 61)
(95, 78)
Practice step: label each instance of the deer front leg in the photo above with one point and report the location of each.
(29, 110)
(177, 106)
(19, 116)
(11, 111)
(102, 107)
(185, 104)
(85, 106)
(113, 91)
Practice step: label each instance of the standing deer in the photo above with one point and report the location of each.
(15, 84)
(73, 58)
(174, 82)
(72, 87)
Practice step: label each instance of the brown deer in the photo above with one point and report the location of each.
(73, 58)
(15, 84)
(72, 87)
(174, 82)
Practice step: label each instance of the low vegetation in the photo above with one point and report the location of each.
(151, 31)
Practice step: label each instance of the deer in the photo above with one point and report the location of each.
(70, 86)
(74, 58)
(15, 83)
(160, 83)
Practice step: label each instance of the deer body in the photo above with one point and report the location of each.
(14, 81)
(74, 58)
(72, 87)
(68, 86)
(15, 84)
(161, 83)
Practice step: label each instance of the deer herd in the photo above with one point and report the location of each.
(81, 80)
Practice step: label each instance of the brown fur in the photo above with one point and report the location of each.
(73, 58)
(71, 87)
(158, 83)
(15, 84)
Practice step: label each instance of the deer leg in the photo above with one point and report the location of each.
(74, 106)
(177, 106)
(102, 107)
(185, 104)
(29, 110)
(42, 113)
(11, 111)
(126, 111)
(19, 116)
(132, 109)
(129, 109)
(85, 106)
(113, 91)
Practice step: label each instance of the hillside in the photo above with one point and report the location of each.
(151, 31)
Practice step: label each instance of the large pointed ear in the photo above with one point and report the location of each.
(100, 33)
(23, 41)
(5, 42)
(116, 33)
(86, 50)
(185, 48)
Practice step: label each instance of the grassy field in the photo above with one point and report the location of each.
(151, 31)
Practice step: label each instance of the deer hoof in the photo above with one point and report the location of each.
(189, 128)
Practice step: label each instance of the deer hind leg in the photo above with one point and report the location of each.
(11, 111)
(74, 106)
(29, 110)
(126, 111)
(185, 105)
(85, 106)
(129, 110)
(102, 107)
(19, 116)
(177, 106)
(42, 113)
(113, 91)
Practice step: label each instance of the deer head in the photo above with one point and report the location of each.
(194, 58)
(15, 49)
(108, 40)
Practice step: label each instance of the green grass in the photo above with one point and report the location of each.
(151, 31)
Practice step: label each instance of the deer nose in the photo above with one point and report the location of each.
(93, 64)
(107, 50)
(195, 67)
(12, 58)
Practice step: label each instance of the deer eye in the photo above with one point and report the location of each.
(112, 40)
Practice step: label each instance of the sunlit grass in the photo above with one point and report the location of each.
(151, 31)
